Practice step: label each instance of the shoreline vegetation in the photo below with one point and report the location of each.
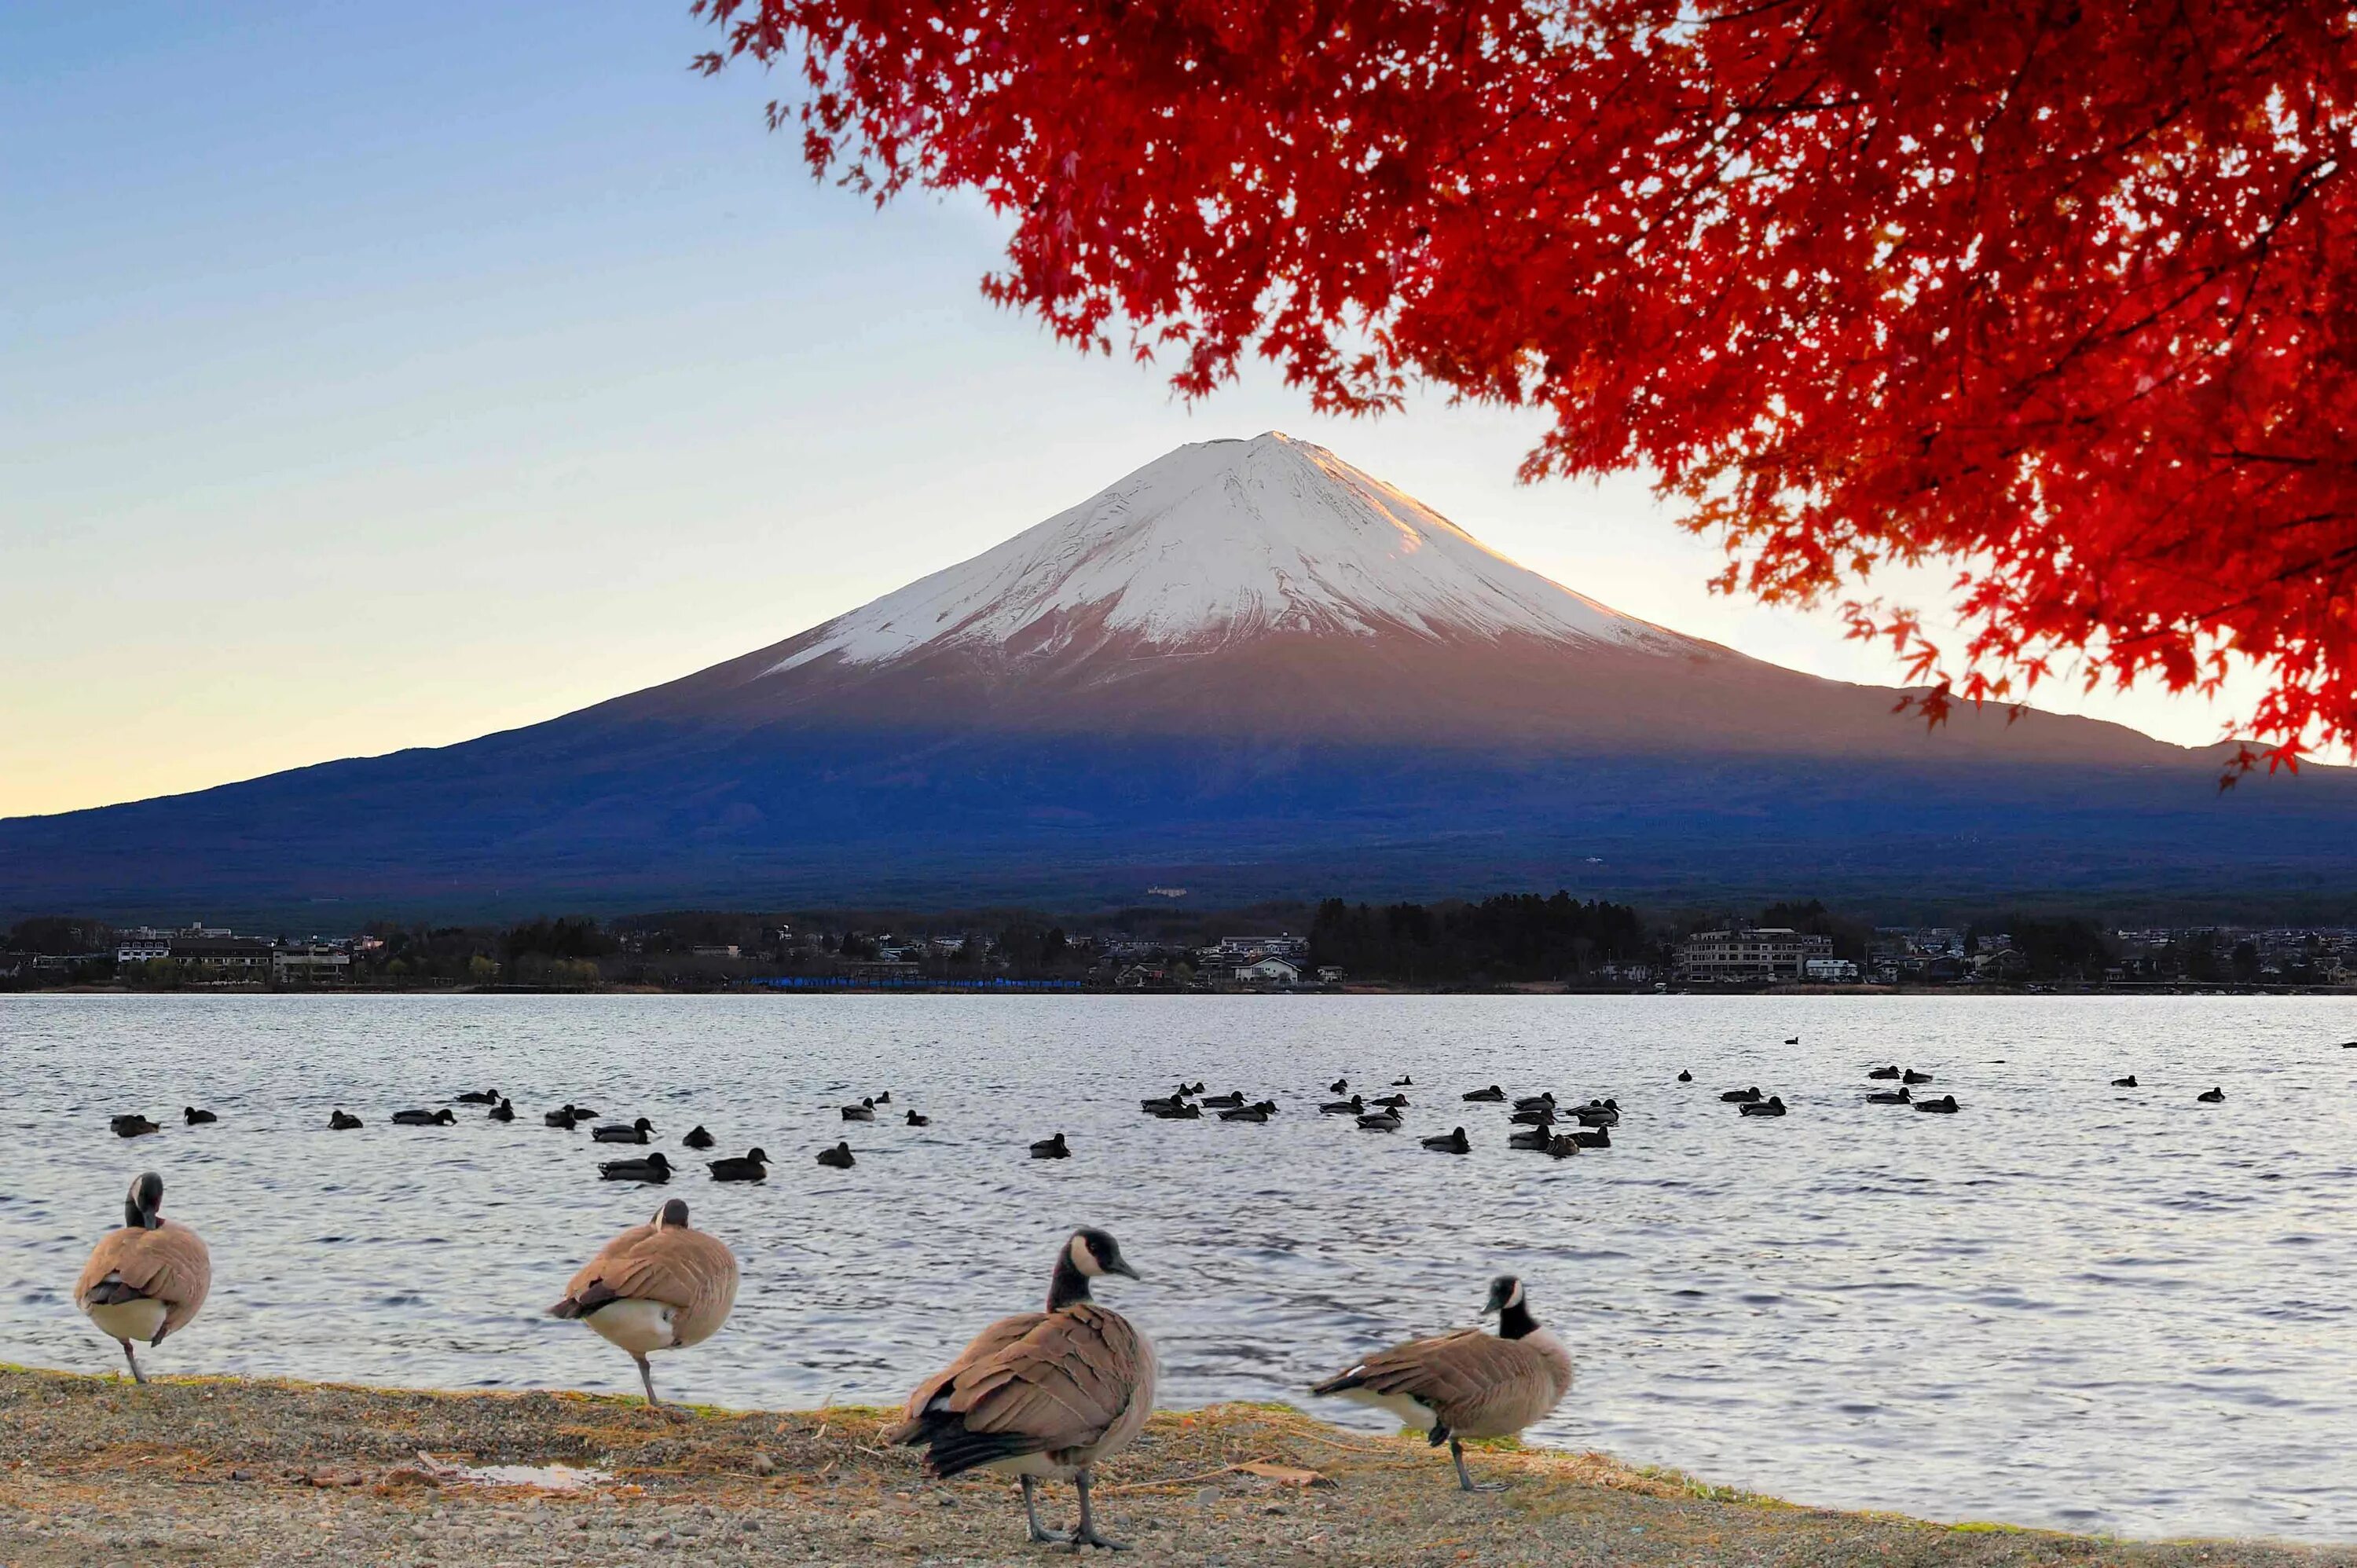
(234, 1470)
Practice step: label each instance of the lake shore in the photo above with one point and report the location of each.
(229, 1471)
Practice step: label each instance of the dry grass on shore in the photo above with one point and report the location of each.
(220, 1471)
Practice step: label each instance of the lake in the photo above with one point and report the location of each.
(2069, 1305)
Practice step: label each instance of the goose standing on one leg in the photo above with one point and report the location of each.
(148, 1278)
(657, 1287)
(1042, 1394)
(1468, 1383)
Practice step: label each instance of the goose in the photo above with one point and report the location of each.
(1530, 1138)
(2212, 1096)
(147, 1279)
(1050, 1149)
(1684, 1077)
(132, 1125)
(1390, 1101)
(502, 1111)
(863, 1112)
(1536, 1101)
(196, 1118)
(753, 1166)
(658, 1286)
(916, 1120)
(1884, 1072)
(2127, 1082)
(654, 1167)
(1381, 1121)
(1740, 1096)
(338, 1122)
(1227, 1101)
(1339, 1086)
(1180, 1114)
(1590, 1138)
(566, 1119)
(1773, 1106)
(1468, 1383)
(480, 1097)
(1403, 1081)
(1911, 1075)
(1899, 1096)
(1042, 1395)
(1563, 1145)
(1943, 1106)
(1354, 1106)
(1493, 1093)
(697, 1138)
(1538, 1116)
(444, 1117)
(618, 1132)
(837, 1158)
(1455, 1143)
(1259, 1113)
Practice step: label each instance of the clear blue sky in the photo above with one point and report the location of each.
(376, 376)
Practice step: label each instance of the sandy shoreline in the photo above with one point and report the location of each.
(93, 1470)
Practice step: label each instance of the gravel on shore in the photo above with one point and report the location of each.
(219, 1471)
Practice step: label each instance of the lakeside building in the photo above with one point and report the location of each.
(1760, 955)
(311, 963)
(1270, 971)
(1829, 971)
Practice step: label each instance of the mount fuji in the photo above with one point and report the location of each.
(1248, 668)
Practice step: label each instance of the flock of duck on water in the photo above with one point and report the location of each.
(1039, 1395)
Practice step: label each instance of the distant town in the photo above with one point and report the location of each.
(1511, 942)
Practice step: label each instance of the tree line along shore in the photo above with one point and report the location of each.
(232, 1471)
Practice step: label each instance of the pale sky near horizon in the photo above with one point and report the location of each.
(375, 376)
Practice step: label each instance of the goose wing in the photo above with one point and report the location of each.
(686, 1270)
(169, 1264)
(1033, 1383)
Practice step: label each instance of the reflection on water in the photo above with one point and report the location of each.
(2070, 1305)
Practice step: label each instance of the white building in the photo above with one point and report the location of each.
(310, 962)
(1765, 954)
(1269, 972)
(1830, 970)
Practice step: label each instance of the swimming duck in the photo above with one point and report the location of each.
(1381, 1121)
(1194, 1087)
(837, 1158)
(1339, 1086)
(1227, 1101)
(1741, 1096)
(1891, 1071)
(444, 1117)
(2212, 1096)
(2127, 1082)
(340, 1122)
(1354, 1106)
(1911, 1075)
(863, 1112)
(1157, 1106)
(196, 1118)
(1600, 1114)
(1684, 1077)
(1260, 1111)
(1563, 1145)
(480, 1097)
(582, 1112)
(916, 1120)
(132, 1125)
(753, 1166)
(1455, 1143)
(1898, 1096)
(885, 1098)
(1534, 1101)
(653, 1168)
(1392, 1102)
(566, 1119)
(1773, 1106)
(1538, 1116)
(1051, 1149)
(697, 1138)
(1403, 1081)
(1590, 1138)
(1184, 1112)
(1793, 1041)
(1491, 1093)
(1530, 1138)
(1943, 1106)
(617, 1132)
(502, 1111)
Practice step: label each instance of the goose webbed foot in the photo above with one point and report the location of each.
(1085, 1532)
(1031, 1517)
(1466, 1482)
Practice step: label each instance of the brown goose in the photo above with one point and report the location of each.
(1468, 1383)
(148, 1278)
(1042, 1393)
(657, 1287)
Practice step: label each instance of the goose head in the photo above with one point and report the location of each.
(142, 1209)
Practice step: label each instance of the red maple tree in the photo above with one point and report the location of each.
(2059, 291)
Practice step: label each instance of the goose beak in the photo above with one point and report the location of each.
(1121, 1266)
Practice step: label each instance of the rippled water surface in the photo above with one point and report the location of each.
(2069, 1305)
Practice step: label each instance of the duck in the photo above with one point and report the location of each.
(863, 1112)
(1899, 1096)
(582, 1112)
(1259, 1112)
(1793, 1041)
(620, 1133)
(1879, 1072)
(1538, 1116)
(1185, 1112)
(1600, 1114)
(1194, 1087)
(148, 1279)
(566, 1119)
(480, 1097)
(697, 1138)
(1536, 1101)
(1493, 1094)
(132, 1125)
(1563, 1145)
(1051, 1149)
(1773, 1106)
(654, 1167)
(1160, 1103)
(1381, 1121)
(1390, 1101)
(1227, 1101)
(196, 1118)
(1911, 1075)
(885, 1098)
(1455, 1143)
(663, 1286)
(2212, 1096)
(1590, 1137)
(340, 1121)
(444, 1117)
(914, 1120)
(502, 1111)
(1042, 1395)
(1943, 1106)
(753, 1166)
(1403, 1081)
(1684, 1077)
(2127, 1082)
(1354, 1106)
(1530, 1138)
(1741, 1096)
(1468, 1383)
(837, 1158)
(1339, 1086)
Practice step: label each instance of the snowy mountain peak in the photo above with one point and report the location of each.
(1218, 541)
